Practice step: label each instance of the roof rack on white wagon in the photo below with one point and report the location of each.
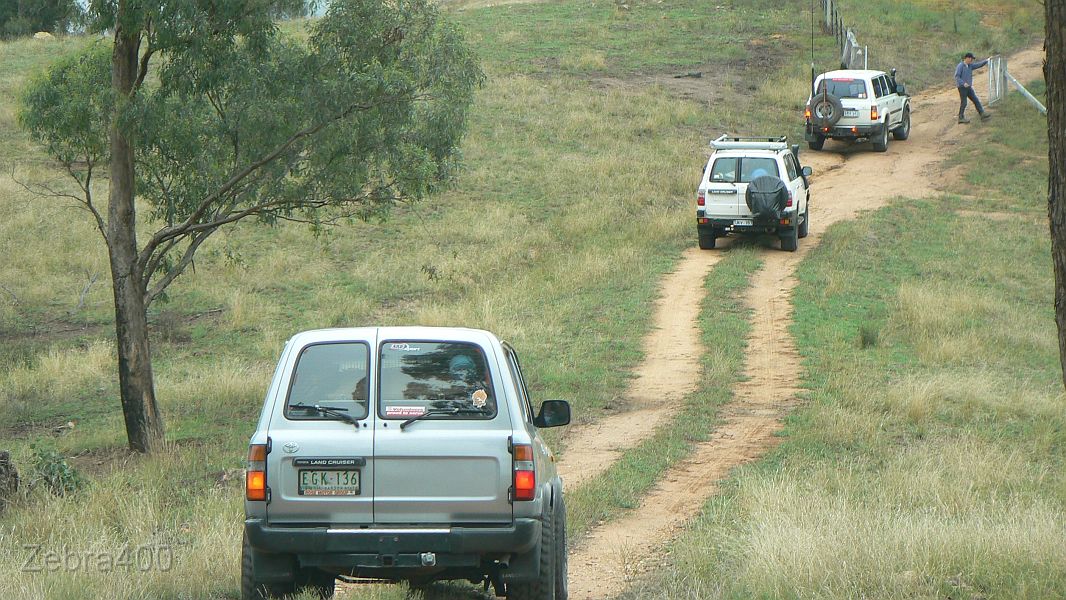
(727, 142)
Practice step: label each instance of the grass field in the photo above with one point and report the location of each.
(576, 197)
(929, 461)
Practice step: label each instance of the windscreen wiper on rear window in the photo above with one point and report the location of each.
(336, 412)
(445, 411)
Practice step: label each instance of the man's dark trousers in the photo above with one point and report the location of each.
(967, 92)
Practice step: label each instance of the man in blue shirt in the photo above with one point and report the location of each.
(964, 81)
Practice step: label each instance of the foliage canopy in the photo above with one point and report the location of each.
(366, 112)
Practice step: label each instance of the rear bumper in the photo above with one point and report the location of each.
(841, 132)
(516, 538)
(721, 226)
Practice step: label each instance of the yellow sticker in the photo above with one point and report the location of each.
(479, 398)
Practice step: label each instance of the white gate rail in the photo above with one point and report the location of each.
(1000, 80)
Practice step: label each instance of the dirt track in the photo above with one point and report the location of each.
(847, 181)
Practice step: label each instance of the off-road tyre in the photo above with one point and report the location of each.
(790, 239)
(707, 241)
(826, 110)
(881, 143)
(561, 568)
(904, 130)
(817, 143)
(257, 590)
(804, 228)
(319, 583)
(543, 587)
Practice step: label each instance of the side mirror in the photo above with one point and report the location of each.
(553, 413)
(806, 171)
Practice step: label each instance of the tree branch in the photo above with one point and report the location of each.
(100, 225)
(142, 71)
(85, 292)
(8, 290)
(190, 223)
(153, 264)
(172, 274)
(85, 202)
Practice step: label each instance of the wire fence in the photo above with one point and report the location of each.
(852, 54)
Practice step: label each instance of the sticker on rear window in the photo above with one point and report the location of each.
(479, 398)
(404, 347)
(405, 411)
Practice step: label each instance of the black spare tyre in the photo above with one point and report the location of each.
(767, 196)
(826, 110)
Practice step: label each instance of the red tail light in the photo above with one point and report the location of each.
(874, 115)
(525, 477)
(255, 477)
(701, 200)
(789, 203)
(807, 113)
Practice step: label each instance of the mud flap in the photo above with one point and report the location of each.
(273, 568)
(523, 567)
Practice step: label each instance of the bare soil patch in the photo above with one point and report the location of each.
(669, 373)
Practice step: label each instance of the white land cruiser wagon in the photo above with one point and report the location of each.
(403, 454)
(857, 105)
(753, 185)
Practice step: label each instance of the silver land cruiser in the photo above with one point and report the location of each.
(403, 454)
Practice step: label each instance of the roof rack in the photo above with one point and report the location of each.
(750, 143)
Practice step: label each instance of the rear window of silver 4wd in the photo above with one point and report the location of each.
(448, 380)
(333, 374)
(844, 87)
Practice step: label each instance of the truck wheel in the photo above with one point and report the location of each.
(257, 590)
(804, 227)
(881, 143)
(817, 143)
(790, 239)
(543, 587)
(561, 590)
(826, 110)
(319, 583)
(904, 130)
(707, 241)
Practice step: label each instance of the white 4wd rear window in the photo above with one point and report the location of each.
(844, 87)
(449, 379)
(725, 169)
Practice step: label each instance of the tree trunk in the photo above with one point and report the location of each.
(144, 424)
(1055, 76)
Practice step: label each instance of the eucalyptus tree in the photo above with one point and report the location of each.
(1055, 76)
(205, 114)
